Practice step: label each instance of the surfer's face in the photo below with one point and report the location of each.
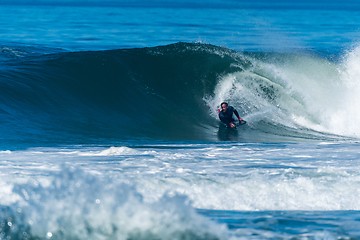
(224, 107)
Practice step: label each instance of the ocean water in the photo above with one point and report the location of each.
(109, 127)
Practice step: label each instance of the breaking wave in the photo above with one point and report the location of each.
(172, 92)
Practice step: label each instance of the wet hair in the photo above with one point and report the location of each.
(224, 103)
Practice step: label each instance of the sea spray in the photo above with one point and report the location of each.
(76, 205)
(295, 91)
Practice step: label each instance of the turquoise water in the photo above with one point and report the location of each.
(109, 127)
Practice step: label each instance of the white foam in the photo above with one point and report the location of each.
(7, 197)
(345, 120)
(228, 177)
(79, 206)
(111, 152)
(296, 90)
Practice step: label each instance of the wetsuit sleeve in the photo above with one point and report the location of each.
(236, 114)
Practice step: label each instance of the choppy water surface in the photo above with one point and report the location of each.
(171, 191)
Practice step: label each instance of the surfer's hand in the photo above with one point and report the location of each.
(231, 125)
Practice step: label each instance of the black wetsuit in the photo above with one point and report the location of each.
(226, 117)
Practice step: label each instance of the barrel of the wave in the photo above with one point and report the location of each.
(226, 116)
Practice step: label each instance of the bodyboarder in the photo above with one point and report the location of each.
(226, 115)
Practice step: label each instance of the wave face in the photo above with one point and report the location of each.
(172, 92)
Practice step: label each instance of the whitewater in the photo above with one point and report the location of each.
(109, 126)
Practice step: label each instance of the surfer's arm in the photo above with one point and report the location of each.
(237, 115)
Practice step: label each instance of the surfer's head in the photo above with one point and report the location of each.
(224, 106)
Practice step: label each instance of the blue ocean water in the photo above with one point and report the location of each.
(109, 127)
